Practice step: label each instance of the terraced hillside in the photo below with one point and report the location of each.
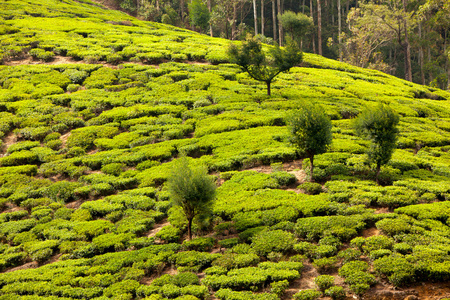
(87, 149)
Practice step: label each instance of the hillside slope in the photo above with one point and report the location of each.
(87, 148)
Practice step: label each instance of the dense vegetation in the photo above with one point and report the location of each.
(88, 148)
(406, 38)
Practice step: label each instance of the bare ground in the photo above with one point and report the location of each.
(157, 228)
(8, 140)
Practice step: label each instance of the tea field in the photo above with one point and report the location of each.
(87, 147)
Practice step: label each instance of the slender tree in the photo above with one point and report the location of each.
(191, 188)
(310, 132)
(379, 125)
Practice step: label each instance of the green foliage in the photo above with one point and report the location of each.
(336, 293)
(311, 188)
(268, 241)
(199, 14)
(251, 58)
(310, 131)
(296, 25)
(324, 282)
(379, 125)
(192, 189)
(307, 295)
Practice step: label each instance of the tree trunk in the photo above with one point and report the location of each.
(280, 28)
(319, 26)
(210, 25)
(255, 17)
(422, 74)
(312, 34)
(189, 228)
(274, 20)
(182, 11)
(339, 29)
(447, 67)
(311, 162)
(429, 61)
(268, 87)
(407, 47)
(233, 22)
(262, 17)
(377, 172)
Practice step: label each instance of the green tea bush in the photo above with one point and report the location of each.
(229, 294)
(307, 295)
(234, 260)
(311, 188)
(324, 282)
(336, 293)
(202, 244)
(398, 269)
(267, 241)
(278, 287)
(343, 227)
(41, 54)
(324, 265)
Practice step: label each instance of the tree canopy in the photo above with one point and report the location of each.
(191, 188)
(379, 125)
(310, 131)
(260, 66)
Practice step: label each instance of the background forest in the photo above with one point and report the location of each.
(405, 38)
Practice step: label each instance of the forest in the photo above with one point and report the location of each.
(406, 38)
(142, 160)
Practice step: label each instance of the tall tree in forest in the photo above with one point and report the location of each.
(377, 24)
(255, 17)
(366, 36)
(436, 14)
(311, 11)
(280, 27)
(274, 21)
(319, 26)
(262, 17)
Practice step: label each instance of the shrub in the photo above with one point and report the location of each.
(278, 287)
(268, 241)
(377, 242)
(336, 293)
(353, 267)
(307, 295)
(324, 282)
(199, 244)
(311, 188)
(325, 264)
(113, 169)
(228, 243)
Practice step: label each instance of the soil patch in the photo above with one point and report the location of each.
(370, 232)
(157, 228)
(8, 140)
(30, 265)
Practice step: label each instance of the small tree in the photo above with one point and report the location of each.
(379, 125)
(191, 188)
(310, 132)
(251, 58)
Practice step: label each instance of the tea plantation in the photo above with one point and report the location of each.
(87, 148)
